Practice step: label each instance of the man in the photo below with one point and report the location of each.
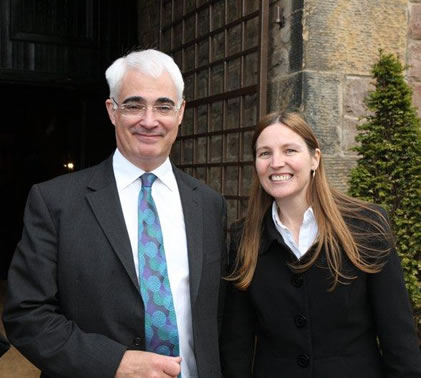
(79, 288)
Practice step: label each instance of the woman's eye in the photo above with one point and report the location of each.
(290, 151)
(263, 154)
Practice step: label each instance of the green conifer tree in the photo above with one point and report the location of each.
(389, 169)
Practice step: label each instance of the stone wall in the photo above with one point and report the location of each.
(414, 51)
(320, 62)
(340, 43)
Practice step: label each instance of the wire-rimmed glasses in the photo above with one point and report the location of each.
(137, 109)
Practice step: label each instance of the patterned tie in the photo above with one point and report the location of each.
(160, 319)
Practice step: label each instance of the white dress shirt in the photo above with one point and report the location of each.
(307, 235)
(168, 203)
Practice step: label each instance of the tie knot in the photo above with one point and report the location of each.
(148, 179)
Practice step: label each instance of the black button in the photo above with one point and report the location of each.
(137, 341)
(297, 280)
(303, 360)
(300, 321)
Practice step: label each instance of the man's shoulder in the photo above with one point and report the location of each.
(81, 177)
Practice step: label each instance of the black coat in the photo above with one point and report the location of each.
(295, 328)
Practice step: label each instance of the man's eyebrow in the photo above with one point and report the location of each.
(140, 99)
(164, 100)
(133, 99)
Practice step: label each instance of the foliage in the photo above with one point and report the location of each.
(389, 169)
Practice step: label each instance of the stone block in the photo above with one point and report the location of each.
(281, 39)
(345, 35)
(415, 21)
(321, 96)
(356, 90)
(285, 93)
(278, 63)
(416, 96)
(414, 60)
(296, 60)
(349, 132)
(279, 36)
(272, 96)
(338, 169)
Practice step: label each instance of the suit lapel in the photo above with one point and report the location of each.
(105, 204)
(193, 219)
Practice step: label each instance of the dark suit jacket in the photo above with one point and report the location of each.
(302, 330)
(73, 305)
(4, 345)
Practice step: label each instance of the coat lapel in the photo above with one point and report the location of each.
(105, 204)
(193, 219)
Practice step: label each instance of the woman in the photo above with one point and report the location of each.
(316, 287)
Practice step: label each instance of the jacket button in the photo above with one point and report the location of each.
(297, 280)
(303, 360)
(300, 321)
(137, 341)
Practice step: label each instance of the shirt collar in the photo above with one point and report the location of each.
(271, 234)
(126, 172)
(308, 216)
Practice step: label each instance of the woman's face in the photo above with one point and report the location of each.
(284, 164)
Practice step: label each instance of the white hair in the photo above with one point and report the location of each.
(150, 62)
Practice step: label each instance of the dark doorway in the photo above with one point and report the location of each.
(53, 55)
(45, 132)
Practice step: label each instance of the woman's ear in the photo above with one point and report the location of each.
(316, 159)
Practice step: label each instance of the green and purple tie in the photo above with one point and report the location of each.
(160, 319)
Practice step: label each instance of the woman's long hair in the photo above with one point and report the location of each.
(330, 207)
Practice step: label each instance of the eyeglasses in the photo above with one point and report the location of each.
(134, 109)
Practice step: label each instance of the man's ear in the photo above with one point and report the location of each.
(180, 113)
(110, 109)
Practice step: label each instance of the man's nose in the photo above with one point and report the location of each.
(149, 118)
